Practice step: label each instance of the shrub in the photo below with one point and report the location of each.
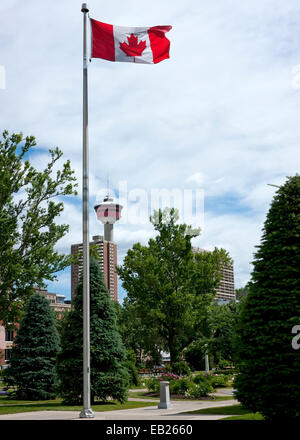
(181, 368)
(227, 372)
(219, 380)
(197, 391)
(152, 384)
(169, 376)
(180, 386)
(201, 378)
(193, 387)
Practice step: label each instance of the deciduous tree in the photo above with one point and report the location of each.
(170, 285)
(29, 207)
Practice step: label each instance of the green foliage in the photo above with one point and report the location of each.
(109, 375)
(180, 386)
(200, 378)
(152, 384)
(168, 285)
(202, 389)
(241, 292)
(181, 368)
(138, 336)
(231, 372)
(215, 336)
(215, 380)
(222, 320)
(268, 379)
(33, 357)
(225, 365)
(219, 380)
(27, 222)
(134, 379)
(168, 368)
(194, 354)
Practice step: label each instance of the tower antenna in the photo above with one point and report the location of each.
(108, 186)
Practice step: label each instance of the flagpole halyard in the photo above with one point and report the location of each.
(86, 411)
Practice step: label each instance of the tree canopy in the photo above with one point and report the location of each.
(169, 284)
(28, 212)
(215, 336)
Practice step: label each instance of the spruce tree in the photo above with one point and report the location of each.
(32, 368)
(109, 375)
(268, 380)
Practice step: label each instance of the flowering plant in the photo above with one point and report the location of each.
(169, 376)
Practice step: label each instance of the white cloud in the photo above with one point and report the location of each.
(197, 178)
(221, 114)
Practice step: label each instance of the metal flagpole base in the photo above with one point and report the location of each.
(87, 413)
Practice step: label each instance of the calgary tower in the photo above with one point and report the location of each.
(108, 213)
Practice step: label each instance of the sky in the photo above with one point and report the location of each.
(220, 118)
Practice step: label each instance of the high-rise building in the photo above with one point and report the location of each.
(107, 251)
(225, 291)
(108, 212)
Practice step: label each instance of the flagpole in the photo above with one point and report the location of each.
(86, 411)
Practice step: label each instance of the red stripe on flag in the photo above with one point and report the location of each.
(159, 43)
(103, 43)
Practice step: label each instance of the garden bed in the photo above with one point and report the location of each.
(189, 387)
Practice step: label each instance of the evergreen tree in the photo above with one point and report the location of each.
(32, 368)
(269, 366)
(109, 375)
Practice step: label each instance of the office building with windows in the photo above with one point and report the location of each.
(6, 342)
(107, 252)
(225, 291)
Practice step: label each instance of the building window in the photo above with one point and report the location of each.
(7, 355)
(9, 335)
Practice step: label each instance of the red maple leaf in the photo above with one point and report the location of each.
(133, 49)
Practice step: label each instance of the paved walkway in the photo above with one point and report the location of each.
(145, 413)
(177, 412)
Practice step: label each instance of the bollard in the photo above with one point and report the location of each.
(164, 396)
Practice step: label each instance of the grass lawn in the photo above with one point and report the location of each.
(10, 406)
(236, 411)
(150, 395)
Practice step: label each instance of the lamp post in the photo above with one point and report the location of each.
(206, 360)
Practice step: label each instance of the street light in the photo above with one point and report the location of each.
(206, 360)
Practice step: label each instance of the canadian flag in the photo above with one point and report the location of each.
(130, 44)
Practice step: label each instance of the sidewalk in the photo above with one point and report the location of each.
(145, 413)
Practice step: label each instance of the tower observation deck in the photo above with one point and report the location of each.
(108, 212)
